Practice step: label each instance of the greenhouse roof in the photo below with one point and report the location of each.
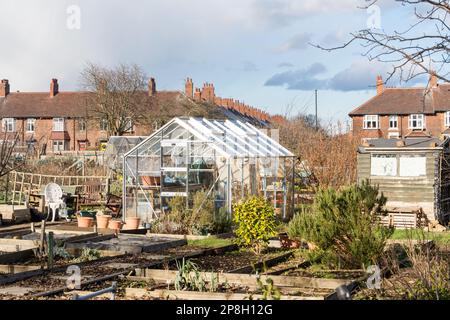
(230, 138)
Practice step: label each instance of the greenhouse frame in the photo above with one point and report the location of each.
(226, 159)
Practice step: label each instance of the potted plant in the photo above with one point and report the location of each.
(85, 222)
(103, 220)
(132, 223)
(115, 224)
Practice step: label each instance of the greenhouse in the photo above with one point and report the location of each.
(226, 159)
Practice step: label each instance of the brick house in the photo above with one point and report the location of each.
(56, 121)
(404, 112)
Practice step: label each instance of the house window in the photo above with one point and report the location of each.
(128, 125)
(371, 122)
(9, 125)
(58, 145)
(82, 125)
(447, 119)
(104, 125)
(58, 124)
(31, 123)
(393, 122)
(416, 121)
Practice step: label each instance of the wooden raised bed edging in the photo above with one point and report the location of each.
(193, 295)
(246, 279)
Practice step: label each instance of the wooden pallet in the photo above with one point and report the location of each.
(404, 218)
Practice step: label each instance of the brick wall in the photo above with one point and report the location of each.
(434, 126)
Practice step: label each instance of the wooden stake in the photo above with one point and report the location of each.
(42, 243)
(50, 250)
(33, 228)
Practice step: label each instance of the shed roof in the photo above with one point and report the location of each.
(409, 144)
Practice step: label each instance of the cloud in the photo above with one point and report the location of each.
(284, 12)
(360, 75)
(285, 65)
(302, 79)
(298, 42)
(249, 66)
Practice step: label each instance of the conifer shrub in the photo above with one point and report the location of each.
(345, 224)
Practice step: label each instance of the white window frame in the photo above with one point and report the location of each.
(418, 118)
(393, 119)
(9, 124)
(103, 125)
(31, 125)
(82, 125)
(58, 124)
(129, 125)
(371, 122)
(447, 119)
(61, 145)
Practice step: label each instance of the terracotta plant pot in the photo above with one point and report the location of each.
(115, 224)
(85, 222)
(132, 223)
(103, 221)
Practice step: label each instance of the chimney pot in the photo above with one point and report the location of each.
(54, 87)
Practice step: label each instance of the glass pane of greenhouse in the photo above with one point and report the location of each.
(227, 160)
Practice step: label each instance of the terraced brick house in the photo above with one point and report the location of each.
(56, 121)
(404, 112)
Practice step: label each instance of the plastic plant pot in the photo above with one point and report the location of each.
(132, 223)
(103, 221)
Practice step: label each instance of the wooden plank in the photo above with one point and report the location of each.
(193, 295)
(8, 268)
(15, 257)
(245, 279)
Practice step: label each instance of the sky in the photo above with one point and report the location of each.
(257, 51)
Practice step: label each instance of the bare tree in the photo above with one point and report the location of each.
(8, 161)
(117, 96)
(422, 47)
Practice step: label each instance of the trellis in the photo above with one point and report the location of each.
(25, 183)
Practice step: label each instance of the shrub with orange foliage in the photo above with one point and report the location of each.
(330, 157)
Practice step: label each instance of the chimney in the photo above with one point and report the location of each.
(54, 87)
(151, 87)
(197, 94)
(433, 82)
(380, 85)
(4, 88)
(189, 88)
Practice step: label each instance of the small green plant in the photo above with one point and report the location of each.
(60, 252)
(222, 221)
(268, 289)
(189, 277)
(255, 220)
(88, 254)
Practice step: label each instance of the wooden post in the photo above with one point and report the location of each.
(7, 188)
(50, 250)
(33, 227)
(42, 243)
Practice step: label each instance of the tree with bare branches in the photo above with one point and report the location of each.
(117, 96)
(8, 161)
(422, 47)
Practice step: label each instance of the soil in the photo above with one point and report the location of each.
(233, 260)
(328, 274)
